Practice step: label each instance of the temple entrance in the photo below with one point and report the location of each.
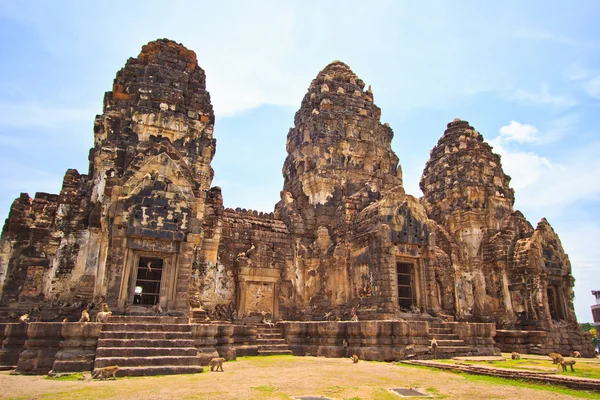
(148, 280)
(405, 291)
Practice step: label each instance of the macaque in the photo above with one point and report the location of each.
(216, 363)
(24, 318)
(434, 347)
(564, 364)
(354, 358)
(85, 316)
(104, 373)
(576, 354)
(515, 356)
(103, 316)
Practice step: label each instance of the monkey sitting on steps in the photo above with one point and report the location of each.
(216, 363)
(24, 318)
(85, 316)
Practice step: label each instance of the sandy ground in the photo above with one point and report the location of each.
(273, 378)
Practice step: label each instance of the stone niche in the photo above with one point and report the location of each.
(258, 291)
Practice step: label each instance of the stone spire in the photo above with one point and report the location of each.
(337, 143)
(159, 95)
(464, 174)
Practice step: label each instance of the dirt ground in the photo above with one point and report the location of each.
(273, 378)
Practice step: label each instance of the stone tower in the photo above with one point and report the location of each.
(130, 230)
(506, 271)
(342, 184)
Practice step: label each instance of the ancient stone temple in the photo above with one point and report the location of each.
(144, 228)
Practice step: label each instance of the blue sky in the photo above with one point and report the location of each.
(525, 74)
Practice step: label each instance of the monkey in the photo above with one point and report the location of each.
(24, 318)
(216, 363)
(515, 356)
(65, 320)
(157, 309)
(564, 364)
(103, 316)
(354, 358)
(434, 347)
(85, 316)
(104, 373)
(555, 357)
(576, 354)
(105, 307)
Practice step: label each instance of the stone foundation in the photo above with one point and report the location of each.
(380, 340)
(560, 340)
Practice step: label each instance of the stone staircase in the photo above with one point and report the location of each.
(449, 344)
(270, 341)
(144, 346)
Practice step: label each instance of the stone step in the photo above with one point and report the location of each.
(275, 335)
(265, 327)
(120, 319)
(264, 342)
(451, 349)
(145, 343)
(144, 335)
(444, 336)
(283, 346)
(440, 330)
(145, 351)
(143, 327)
(274, 352)
(159, 370)
(444, 342)
(146, 361)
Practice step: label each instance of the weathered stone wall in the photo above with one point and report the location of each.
(379, 340)
(561, 340)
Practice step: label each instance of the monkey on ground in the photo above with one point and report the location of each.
(104, 373)
(556, 357)
(24, 318)
(216, 363)
(515, 356)
(434, 347)
(576, 354)
(564, 364)
(85, 316)
(354, 358)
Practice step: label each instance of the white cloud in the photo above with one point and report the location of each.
(524, 168)
(544, 97)
(592, 87)
(517, 132)
(33, 114)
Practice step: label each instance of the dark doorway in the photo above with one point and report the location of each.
(147, 283)
(405, 296)
(554, 303)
